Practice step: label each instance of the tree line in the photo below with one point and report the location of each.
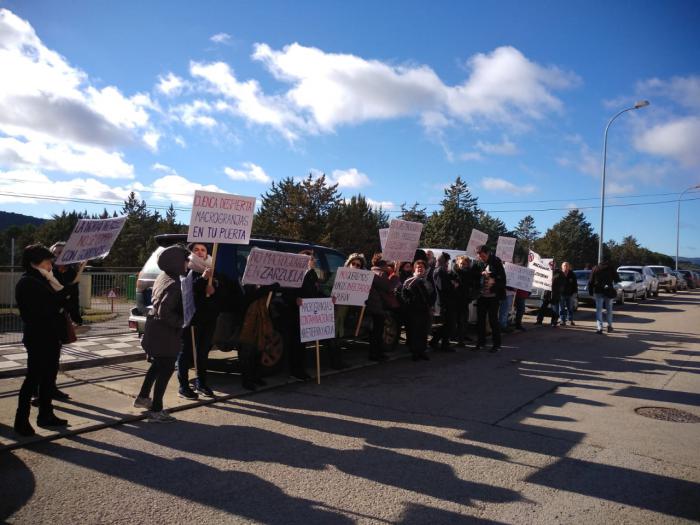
(313, 210)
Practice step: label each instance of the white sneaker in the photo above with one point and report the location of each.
(160, 417)
(143, 402)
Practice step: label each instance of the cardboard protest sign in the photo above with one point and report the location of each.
(221, 218)
(265, 267)
(518, 276)
(505, 248)
(351, 286)
(91, 239)
(316, 319)
(544, 271)
(476, 239)
(188, 305)
(383, 232)
(402, 240)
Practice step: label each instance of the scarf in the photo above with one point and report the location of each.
(57, 287)
(198, 264)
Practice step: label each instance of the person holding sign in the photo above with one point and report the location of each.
(162, 338)
(378, 304)
(197, 338)
(418, 296)
(493, 291)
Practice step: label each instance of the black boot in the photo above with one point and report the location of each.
(50, 420)
(22, 425)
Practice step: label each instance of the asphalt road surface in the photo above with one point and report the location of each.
(543, 432)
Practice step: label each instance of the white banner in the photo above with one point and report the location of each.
(476, 239)
(544, 271)
(91, 239)
(265, 267)
(316, 319)
(402, 240)
(220, 217)
(505, 248)
(352, 286)
(383, 232)
(518, 276)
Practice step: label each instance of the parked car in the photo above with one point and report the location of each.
(690, 278)
(632, 284)
(582, 278)
(650, 279)
(230, 264)
(667, 280)
(682, 284)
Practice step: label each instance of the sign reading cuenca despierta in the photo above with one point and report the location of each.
(351, 286)
(266, 267)
(316, 319)
(91, 239)
(221, 217)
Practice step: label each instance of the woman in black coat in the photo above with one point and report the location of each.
(41, 300)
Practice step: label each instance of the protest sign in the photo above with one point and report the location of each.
(505, 248)
(351, 286)
(383, 232)
(519, 277)
(316, 319)
(265, 267)
(221, 218)
(476, 239)
(543, 271)
(402, 240)
(90, 239)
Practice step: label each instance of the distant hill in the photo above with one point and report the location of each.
(8, 219)
(693, 260)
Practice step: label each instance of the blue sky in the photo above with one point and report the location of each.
(393, 100)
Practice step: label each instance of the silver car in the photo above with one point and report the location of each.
(650, 279)
(633, 286)
(582, 278)
(667, 280)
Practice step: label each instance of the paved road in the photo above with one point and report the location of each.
(544, 432)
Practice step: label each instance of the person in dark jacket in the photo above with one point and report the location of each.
(445, 288)
(378, 307)
(601, 286)
(566, 286)
(41, 300)
(467, 278)
(418, 296)
(493, 291)
(162, 338)
(202, 325)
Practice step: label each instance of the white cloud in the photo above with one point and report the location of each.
(350, 178)
(163, 169)
(220, 38)
(67, 158)
(385, 205)
(505, 147)
(471, 155)
(151, 138)
(683, 90)
(616, 188)
(250, 173)
(176, 188)
(48, 106)
(195, 113)
(502, 185)
(678, 139)
(170, 85)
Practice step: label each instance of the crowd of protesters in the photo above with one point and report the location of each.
(403, 295)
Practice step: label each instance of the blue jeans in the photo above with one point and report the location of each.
(503, 310)
(566, 308)
(519, 310)
(600, 299)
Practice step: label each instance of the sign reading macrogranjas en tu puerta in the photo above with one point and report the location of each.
(221, 218)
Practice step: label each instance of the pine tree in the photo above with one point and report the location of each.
(527, 234)
(413, 214)
(571, 239)
(452, 225)
(494, 227)
(353, 227)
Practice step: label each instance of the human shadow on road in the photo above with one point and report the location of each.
(17, 484)
(421, 515)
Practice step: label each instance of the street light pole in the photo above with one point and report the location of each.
(640, 104)
(678, 219)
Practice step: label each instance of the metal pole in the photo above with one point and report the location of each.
(678, 219)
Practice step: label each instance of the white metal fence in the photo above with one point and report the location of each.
(106, 299)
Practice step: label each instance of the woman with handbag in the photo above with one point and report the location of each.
(162, 338)
(41, 300)
(601, 286)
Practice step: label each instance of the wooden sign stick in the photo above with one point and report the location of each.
(213, 263)
(359, 322)
(318, 363)
(269, 298)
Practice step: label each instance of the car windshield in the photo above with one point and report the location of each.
(658, 269)
(627, 276)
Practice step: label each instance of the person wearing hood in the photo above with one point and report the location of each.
(405, 271)
(418, 296)
(378, 306)
(493, 291)
(203, 324)
(162, 338)
(41, 300)
(601, 286)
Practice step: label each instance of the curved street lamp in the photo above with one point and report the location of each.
(678, 219)
(638, 105)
